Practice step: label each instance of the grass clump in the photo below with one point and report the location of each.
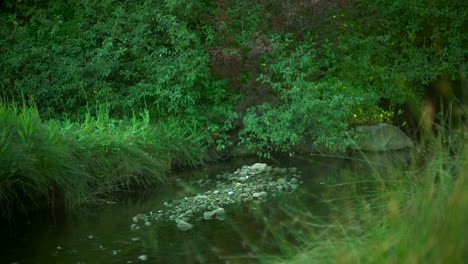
(44, 162)
(411, 215)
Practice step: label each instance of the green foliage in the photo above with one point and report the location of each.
(309, 70)
(133, 54)
(313, 108)
(385, 54)
(399, 48)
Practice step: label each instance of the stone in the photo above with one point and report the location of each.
(220, 214)
(189, 213)
(182, 219)
(209, 215)
(231, 188)
(382, 137)
(259, 195)
(259, 167)
(184, 226)
(181, 216)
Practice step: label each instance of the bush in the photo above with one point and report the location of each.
(314, 107)
(132, 54)
(365, 73)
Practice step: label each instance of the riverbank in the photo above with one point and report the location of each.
(410, 214)
(46, 163)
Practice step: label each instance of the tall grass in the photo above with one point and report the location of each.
(413, 215)
(79, 162)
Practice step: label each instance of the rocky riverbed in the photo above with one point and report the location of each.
(254, 183)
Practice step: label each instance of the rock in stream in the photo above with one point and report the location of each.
(249, 183)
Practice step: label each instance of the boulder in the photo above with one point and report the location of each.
(382, 137)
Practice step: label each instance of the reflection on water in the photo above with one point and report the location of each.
(103, 235)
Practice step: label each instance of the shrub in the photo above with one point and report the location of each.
(131, 54)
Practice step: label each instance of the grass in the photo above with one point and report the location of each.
(73, 163)
(412, 215)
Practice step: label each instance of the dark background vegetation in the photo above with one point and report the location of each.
(155, 85)
(273, 74)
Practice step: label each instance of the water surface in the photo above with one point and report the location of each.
(102, 234)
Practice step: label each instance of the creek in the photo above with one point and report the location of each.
(103, 235)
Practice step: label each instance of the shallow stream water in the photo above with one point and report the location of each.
(103, 235)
